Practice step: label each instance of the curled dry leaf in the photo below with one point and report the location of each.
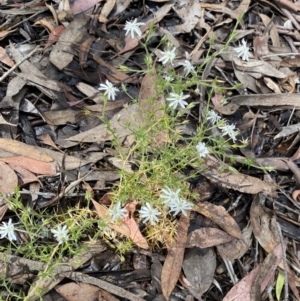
(220, 216)
(237, 181)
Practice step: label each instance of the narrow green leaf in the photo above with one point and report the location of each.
(279, 285)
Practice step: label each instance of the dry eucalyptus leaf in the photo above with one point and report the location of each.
(172, 265)
(199, 267)
(264, 225)
(237, 248)
(207, 237)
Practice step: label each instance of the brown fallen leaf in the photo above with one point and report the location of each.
(264, 225)
(8, 179)
(266, 273)
(5, 59)
(235, 180)
(135, 233)
(237, 248)
(35, 166)
(291, 61)
(267, 100)
(172, 265)
(77, 292)
(127, 226)
(54, 36)
(106, 10)
(20, 148)
(220, 216)
(25, 176)
(242, 290)
(82, 5)
(207, 237)
(199, 267)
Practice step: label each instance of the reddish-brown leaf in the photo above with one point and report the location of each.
(173, 263)
(220, 216)
(8, 179)
(126, 226)
(207, 237)
(35, 166)
(20, 148)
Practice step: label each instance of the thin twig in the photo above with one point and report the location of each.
(19, 63)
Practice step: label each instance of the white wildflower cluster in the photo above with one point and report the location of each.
(175, 203)
(243, 51)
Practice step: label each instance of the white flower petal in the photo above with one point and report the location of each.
(168, 56)
(213, 117)
(8, 230)
(177, 100)
(61, 234)
(116, 212)
(243, 51)
(109, 90)
(148, 213)
(188, 67)
(229, 129)
(202, 149)
(132, 27)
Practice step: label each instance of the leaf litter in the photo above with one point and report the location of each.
(53, 145)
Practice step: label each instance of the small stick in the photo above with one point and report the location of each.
(19, 63)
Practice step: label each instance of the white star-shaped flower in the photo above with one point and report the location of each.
(202, 149)
(110, 90)
(181, 205)
(213, 117)
(133, 28)
(229, 129)
(8, 230)
(168, 56)
(148, 213)
(168, 78)
(169, 196)
(188, 67)
(243, 51)
(177, 99)
(116, 212)
(61, 234)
